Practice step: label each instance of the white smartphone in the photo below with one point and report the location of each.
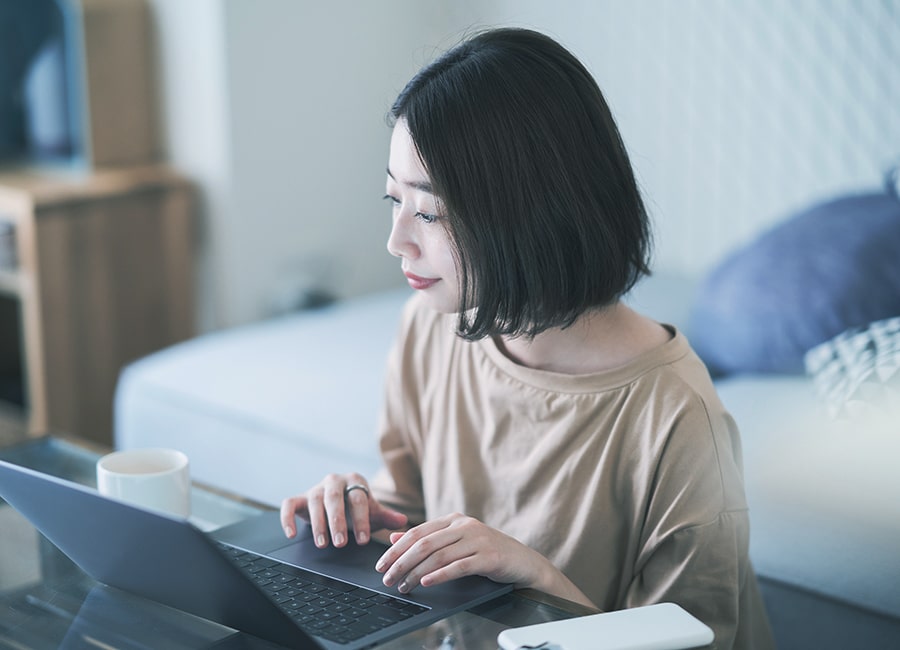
(664, 626)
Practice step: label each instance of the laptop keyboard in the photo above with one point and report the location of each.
(322, 606)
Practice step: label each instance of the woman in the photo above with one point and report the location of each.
(536, 430)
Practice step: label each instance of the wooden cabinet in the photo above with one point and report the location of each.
(103, 276)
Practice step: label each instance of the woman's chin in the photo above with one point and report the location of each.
(439, 303)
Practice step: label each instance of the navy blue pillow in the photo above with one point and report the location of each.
(833, 266)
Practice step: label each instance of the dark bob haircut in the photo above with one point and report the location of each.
(540, 198)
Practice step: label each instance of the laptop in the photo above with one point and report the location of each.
(246, 576)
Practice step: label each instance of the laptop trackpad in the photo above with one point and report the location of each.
(352, 563)
(263, 535)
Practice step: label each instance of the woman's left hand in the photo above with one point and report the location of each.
(455, 546)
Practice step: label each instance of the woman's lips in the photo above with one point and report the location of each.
(420, 283)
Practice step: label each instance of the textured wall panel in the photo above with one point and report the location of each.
(739, 112)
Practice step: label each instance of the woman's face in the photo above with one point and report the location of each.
(419, 236)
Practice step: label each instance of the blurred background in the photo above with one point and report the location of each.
(735, 113)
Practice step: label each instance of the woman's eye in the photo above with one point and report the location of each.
(424, 217)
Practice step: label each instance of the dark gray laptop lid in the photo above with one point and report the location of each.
(162, 558)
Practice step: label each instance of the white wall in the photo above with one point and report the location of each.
(276, 109)
(735, 112)
(310, 84)
(195, 119)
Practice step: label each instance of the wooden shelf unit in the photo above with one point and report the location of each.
(105, 276)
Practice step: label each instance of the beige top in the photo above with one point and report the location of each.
(628, 480)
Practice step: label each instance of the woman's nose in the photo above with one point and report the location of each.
(401, 242)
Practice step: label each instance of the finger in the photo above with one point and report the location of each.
(402, 542)
(291, 507)
(318, 520)
(386, 518)
(357, 501)
(462, 566)
(335, 510)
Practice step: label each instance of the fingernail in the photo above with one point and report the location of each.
(339, 539)
(403, 587)
(379, 566)
(288, 532)
(320, 541)
(362, 538)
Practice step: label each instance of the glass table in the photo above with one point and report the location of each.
(46, 601)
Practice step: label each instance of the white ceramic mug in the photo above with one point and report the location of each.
(153, 478)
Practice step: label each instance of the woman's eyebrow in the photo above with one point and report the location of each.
(422, 186)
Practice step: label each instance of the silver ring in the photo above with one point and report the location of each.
(355, 486)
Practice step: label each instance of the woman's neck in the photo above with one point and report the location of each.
(597, 341)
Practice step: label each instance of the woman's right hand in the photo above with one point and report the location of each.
(328, 507)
